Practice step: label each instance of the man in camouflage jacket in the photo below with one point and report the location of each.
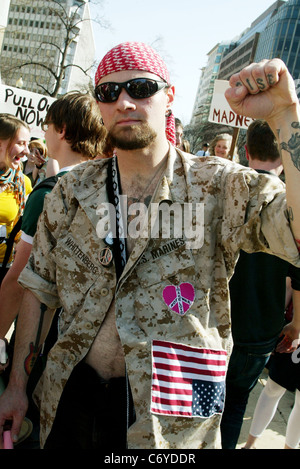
(167, 315)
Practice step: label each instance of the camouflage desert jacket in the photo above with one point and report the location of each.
(172, 300)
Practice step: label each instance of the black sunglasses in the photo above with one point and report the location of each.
(138, 88)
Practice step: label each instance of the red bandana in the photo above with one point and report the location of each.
(137, 56)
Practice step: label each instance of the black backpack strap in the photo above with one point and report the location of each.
(48, 182)
(10, 242)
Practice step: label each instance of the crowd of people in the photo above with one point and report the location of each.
(126, 340)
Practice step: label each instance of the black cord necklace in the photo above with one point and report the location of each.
(118, 242)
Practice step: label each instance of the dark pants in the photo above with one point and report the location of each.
(92, 413)
(245, 367)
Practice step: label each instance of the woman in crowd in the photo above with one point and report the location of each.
(36, 164)
(14, 185)
(220, 146)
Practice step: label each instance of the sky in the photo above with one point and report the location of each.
(182, 31)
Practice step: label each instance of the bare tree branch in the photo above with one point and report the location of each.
(58, 47)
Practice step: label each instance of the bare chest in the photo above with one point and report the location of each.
(106, 354)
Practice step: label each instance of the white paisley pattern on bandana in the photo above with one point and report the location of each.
(132, 56)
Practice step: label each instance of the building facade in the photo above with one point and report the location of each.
(242, 51)
(3, 18)
(275, 33)
(206, 84)
(281, 37)
(43, 38)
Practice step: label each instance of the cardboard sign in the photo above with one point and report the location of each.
(28, 106)
(221, 112)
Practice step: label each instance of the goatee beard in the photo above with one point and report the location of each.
(135, 137)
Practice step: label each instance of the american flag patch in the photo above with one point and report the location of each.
(187, 381)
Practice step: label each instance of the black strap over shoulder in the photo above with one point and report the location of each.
(10, 242)
(48, 182)
(113, 187)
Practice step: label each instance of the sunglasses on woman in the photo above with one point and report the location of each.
(138, 88)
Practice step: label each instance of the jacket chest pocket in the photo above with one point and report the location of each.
(168, 269)
(166, 289)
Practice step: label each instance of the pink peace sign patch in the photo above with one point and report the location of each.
(179, 299)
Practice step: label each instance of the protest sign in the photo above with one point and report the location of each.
(221, 112)
(28, 106)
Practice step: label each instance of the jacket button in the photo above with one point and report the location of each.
(104, 291)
